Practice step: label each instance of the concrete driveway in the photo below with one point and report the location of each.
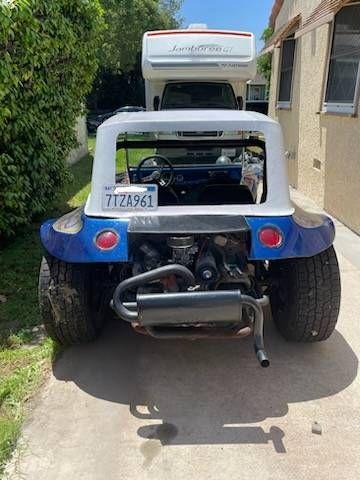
(131, 407)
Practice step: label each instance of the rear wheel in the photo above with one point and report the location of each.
(70, 306)
(306, 303)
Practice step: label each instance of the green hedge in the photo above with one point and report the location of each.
(47, 65)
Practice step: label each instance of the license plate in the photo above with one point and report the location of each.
(130, 197)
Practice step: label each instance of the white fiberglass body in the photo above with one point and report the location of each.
(104, 169)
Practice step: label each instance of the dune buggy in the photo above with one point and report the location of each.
(191, 235)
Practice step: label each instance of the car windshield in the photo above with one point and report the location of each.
(198, 95)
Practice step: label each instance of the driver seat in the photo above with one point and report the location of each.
(167, 196)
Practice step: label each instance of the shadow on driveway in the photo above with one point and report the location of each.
(206, 392)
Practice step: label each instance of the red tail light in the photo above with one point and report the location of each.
(271, 237)
(106, 240)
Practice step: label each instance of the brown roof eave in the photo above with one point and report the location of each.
(323, 13)
(275, 12)
(281, 33)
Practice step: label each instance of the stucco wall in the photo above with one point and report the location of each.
(82, 138)
(331, 142)
(342, 173)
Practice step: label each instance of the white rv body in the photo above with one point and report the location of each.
(197, 55)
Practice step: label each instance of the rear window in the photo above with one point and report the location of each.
(198, 95)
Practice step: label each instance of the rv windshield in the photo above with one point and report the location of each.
(198, 95)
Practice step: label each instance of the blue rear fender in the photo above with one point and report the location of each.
(304, 235)
(80, 247)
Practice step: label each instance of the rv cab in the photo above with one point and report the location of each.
(197, 68)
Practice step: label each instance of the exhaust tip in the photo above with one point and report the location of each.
(263, 358)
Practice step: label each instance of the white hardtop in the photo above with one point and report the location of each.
(198, 53)
(182, 120)
(104, 166)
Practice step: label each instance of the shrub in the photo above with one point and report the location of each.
(265, 60)
(48, 51)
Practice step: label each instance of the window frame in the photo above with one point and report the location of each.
(286, 104)
(249, 88)
(338, 107)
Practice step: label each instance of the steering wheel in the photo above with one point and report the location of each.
(159, 175)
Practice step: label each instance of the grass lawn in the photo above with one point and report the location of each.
(24, 357)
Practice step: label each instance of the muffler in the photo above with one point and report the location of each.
(184, 308)
(188, 307)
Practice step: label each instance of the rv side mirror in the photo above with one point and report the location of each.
(156, 102)
(240, 101)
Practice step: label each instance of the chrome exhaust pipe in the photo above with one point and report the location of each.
(188, 307)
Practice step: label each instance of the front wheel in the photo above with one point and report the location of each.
(306, 301)
(69, 307)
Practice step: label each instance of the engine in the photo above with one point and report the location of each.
(183, 249)
(192, 286)
(218, 261)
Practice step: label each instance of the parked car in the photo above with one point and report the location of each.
(94, 122)
(186, 248)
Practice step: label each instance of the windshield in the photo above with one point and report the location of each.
(196, 155)
(189, 166)
(198, 95)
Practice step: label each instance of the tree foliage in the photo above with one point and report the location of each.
(47, 63)
(126, 22)
(264, 61)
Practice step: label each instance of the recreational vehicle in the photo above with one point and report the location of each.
(197, 68)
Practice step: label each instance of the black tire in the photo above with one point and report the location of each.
(306, 302)
(66, 299)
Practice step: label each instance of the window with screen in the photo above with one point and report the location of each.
(286, 71)
(343, 76)
(256, 93)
